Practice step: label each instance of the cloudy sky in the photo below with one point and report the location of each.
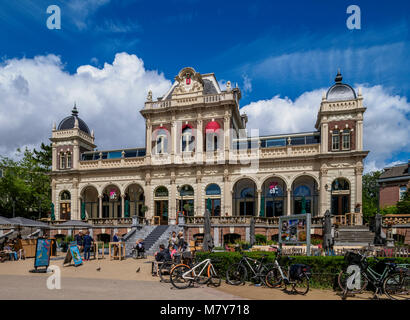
(283, 55)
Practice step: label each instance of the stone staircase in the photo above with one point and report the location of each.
(353, 236)
(153, 236)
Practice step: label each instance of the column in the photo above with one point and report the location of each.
(258, 206)
(325, 138)
(199, 202)
(227, 198)
(358, 196)
(172, 203)
(122, 205)
(173, 140)
(323, 193)
(80, 208)
(227, 137)
(289, 201)
(359, 135)
(148, 142)
(100, 197)
(54, 157)
(199, 141)
(76, 156)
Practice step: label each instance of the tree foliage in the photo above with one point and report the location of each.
(25, 183)
(370, 194)
(403, 206)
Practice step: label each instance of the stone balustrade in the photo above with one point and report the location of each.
(395, 219)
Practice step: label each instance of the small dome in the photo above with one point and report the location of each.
(340, 91)
(69, 122)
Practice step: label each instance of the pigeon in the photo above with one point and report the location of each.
(99, 268)
(138, 270)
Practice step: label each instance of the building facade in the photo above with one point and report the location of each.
(394, 182)
(198, 147)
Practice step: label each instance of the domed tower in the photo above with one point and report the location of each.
(340, 118)
(71, 138)
(340, 122)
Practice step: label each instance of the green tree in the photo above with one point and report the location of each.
(370, 196)
(25, 183)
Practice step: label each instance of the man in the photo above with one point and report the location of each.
(163, 254)
(79, 240)
(87, 241)
(115, 239)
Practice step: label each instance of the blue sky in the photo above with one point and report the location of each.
(269, 48)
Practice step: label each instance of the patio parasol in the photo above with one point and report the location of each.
(252, 232)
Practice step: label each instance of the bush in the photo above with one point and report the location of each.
(324, 269)
(260, 239)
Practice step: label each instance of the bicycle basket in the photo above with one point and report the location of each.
(297, 270)
(353, 258)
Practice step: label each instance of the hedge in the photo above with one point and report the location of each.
(324, 269)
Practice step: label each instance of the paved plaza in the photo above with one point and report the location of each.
(120, 280)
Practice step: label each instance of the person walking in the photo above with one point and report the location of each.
(181, 244)
(87, 242)
(173, 240)
(79, 240)
(115, 239)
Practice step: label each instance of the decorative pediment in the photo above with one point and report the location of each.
(189, 81)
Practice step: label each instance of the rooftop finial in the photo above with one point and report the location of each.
(339, 77)
(75, 111)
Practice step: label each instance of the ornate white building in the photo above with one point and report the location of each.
(198, 147)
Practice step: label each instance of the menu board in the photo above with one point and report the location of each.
(295, 229)
(42, 258)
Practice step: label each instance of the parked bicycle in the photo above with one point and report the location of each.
(182, 276)
(238, 273)
(387, 277)
(297, 276)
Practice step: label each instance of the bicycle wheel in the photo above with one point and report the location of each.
(177, 279)
(343, 277)
(165, 271)
(397, 286)
(214, 278)
(301, 285)
(236, 274)
(273, 278)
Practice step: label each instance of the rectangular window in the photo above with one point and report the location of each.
(335, 141)
(346, 139)
(402, 191)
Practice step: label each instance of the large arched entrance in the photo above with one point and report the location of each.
(186, 200)
(111, 202)
(134, 201)
(244, 198)
(65, 205)
(161, 204)
(274, 197)
(305, 196)
(340, 196)
(89, 202)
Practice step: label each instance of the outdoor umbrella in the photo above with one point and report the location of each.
(6, 223)
(29, 223)
(327, 230)
(73, 225)
(208, 243)
(252, 231)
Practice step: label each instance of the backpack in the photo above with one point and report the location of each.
(297, 270)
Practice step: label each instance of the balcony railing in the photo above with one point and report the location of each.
(396, 219)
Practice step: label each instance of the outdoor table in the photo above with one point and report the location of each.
(121, 250)
(97, 245)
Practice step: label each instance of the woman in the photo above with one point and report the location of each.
(173, 240)
(181, 242)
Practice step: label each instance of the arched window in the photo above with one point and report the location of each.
(68, 160)
(213, 193)
(244, 200)
(62, 160)
(212, 131)
(187, 141)
(161, 192)
(65, 205)
(65, 195)
(213, 190)
(161, 141)
(340, 196)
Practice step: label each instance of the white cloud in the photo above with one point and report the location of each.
(386, 121)
(36, 92)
